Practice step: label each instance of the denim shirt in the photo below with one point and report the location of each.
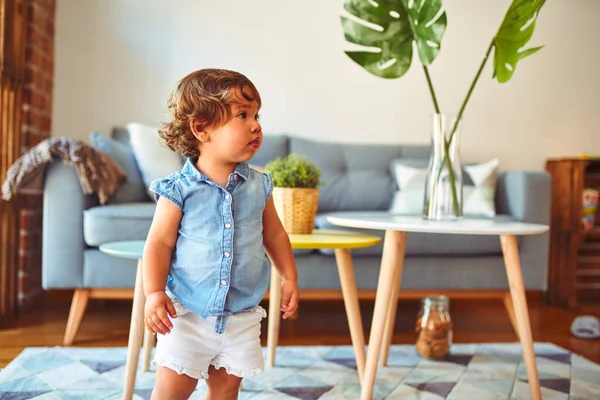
(219, 265)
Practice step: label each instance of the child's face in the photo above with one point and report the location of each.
(241, 137)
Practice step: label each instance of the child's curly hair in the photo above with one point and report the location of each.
(203, 95)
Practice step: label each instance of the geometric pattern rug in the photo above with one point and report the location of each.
(471, 371)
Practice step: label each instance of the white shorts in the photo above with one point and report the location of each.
(193, 345)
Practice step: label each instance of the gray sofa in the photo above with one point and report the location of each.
(357, 178)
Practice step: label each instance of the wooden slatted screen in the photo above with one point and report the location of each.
(12, 71)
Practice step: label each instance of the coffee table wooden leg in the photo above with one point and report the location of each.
(136, 332)
(350, 292)
(393, 255)
(510, 310)
(148, 346)
(274, 316)
(391, 317)
(517, 292)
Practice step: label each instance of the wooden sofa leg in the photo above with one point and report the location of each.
(78, 305)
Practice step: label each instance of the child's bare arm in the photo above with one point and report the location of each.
(160, 243)
(279, 249)
(156, 262)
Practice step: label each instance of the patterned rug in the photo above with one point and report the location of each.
(471, 372)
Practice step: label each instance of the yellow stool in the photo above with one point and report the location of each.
(342, 242)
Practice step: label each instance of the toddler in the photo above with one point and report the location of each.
(205, 264)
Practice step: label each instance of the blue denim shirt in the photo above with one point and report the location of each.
(219, 265)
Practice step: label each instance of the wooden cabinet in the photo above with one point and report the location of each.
(574, 262)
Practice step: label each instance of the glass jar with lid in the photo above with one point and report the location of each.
(434, 327)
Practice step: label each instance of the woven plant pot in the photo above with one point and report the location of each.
(297, 208)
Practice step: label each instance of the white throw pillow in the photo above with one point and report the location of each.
(153, 157)
(478, 198)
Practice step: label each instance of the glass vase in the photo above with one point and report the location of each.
(444, 183)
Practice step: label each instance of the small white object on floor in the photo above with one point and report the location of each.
(586, 327)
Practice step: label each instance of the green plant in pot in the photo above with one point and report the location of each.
(295, 193)
(389, 31)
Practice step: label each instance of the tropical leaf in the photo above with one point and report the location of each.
(389, 28)
(514, 33)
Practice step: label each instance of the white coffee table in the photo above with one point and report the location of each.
(396, 228)
(133, 250)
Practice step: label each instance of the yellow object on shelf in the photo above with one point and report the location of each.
(589, 207)
(588, 156)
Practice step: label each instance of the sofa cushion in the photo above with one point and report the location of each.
(121, 134)
(426, 244)
(478, 189)
(149, 148)
(133, 188)
(115, 222)
(356, 176)
(408, 162)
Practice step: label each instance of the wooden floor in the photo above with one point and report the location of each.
(106, 323)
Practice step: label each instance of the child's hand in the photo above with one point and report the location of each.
(289, 297)
(157, 311)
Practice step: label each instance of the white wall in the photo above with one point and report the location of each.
(117, 60)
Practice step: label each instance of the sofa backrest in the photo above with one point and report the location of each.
(355, 176)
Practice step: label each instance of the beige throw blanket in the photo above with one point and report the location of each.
(98, 173)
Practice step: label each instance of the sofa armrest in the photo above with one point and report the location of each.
(525, 195)
(62, 242)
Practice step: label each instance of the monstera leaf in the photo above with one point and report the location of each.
(515, 31)
(391, 27)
